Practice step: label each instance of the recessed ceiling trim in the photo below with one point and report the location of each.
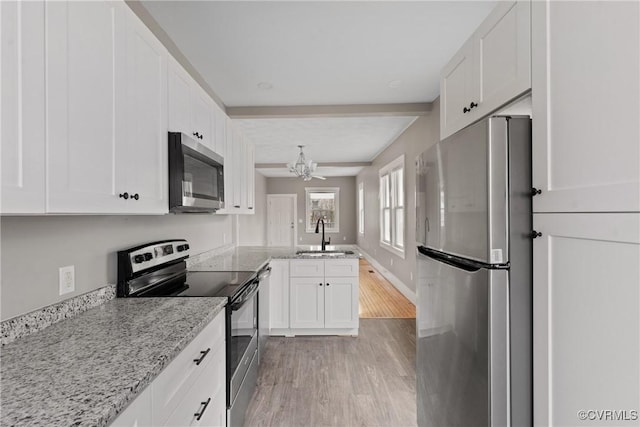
(313, 111)
(324, 165)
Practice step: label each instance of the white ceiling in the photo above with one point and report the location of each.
(320, 53)
(328, 139)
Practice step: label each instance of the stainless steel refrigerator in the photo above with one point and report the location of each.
(474, 289)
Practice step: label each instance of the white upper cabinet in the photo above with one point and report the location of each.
(220, 130)
(586, 63)
(143, 156)
(23, 119)
(202, 116)
(191, 109)
(491, 69)
(179, 93)
(106, 107)
(85, 89)
(458, 85)
(239, 172)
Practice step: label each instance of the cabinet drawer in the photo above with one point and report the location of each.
(341, 268)
(174, 382)
(207, 397)
(307, 268)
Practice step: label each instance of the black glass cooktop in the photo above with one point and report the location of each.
(201, 284)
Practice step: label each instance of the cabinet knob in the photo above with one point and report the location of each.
(465, 110)
(124, 196)
(236, 206)
(535, 234)
(328, 284)
(472, 105)
(135, 196)
(535, 191)
(319, 284)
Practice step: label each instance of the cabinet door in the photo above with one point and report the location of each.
(341, 302)
(142, 154)
(459, 86)
(586, 155)
(250, 173)
(586, 320)
(179, 97)
(22, 85)
(237, 167)
(307, 302)
(503, 55)
(279, 294)
(202, 115)
(138, 413)
(84, 106)
(220, 131)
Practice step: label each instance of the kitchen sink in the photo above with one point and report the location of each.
(324, 253)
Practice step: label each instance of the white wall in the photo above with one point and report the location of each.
(252, 229)
(33, 248)
(423, 133)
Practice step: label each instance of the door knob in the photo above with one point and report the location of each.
(535, 191)
(535, 234)
(124, 195)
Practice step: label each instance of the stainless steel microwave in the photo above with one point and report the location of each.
(196, 176)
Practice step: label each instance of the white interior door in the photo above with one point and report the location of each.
(281, 219)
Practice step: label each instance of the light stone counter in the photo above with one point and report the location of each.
(85, 370)
(252, 258)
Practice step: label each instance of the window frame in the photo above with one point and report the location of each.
(361, 214)
(312, 228)
(393, 199)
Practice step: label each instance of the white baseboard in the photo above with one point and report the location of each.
(392, 278)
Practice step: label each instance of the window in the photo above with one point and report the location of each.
(361, 208)
(392, 206)
(322, 203)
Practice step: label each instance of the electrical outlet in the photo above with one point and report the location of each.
(391, 261)
(411, 276)
(224, 237)
(301, 239)
(344, 238)
(67, 279)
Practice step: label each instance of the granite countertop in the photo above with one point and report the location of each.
(85, 370)
(252, 258)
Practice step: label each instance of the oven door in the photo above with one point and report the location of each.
(196, 176)
(242, 338)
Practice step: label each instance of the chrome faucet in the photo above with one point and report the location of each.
(324, 244)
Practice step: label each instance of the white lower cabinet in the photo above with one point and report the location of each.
(191, 390)
(324, 296)
(586, 319)
(279, 294)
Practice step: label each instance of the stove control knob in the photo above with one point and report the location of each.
(148, 256)
(138, 259)
(167, 250)
(182, 248)
(185, 246)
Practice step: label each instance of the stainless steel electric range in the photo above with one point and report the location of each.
(159, 269)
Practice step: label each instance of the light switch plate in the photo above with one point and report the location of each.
(67, 279)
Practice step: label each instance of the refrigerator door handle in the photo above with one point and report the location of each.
(459, 262)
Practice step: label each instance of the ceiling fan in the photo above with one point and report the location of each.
(304, 168)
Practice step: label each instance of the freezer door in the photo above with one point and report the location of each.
(462, 341)
(462, 193)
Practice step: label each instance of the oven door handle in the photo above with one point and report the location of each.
(251, 291)
(264, 273)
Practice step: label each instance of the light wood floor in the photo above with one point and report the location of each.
(339, 381)
(379, 298)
